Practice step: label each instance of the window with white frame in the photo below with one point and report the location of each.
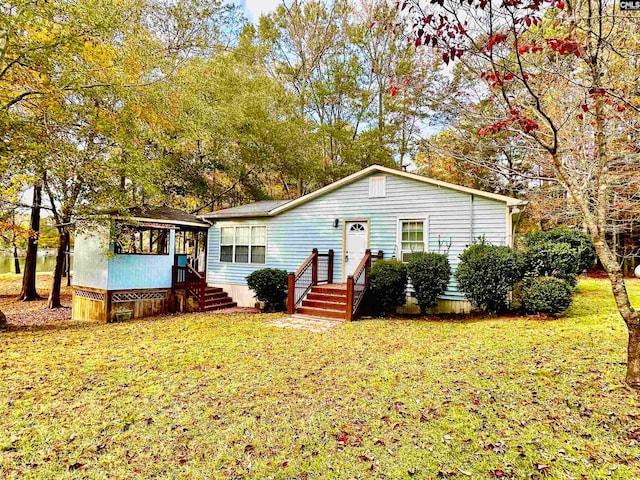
(243, 244)
(412, 238)
(377, 186)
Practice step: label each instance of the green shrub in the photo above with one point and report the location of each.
(546, 295)
(270, 286)
(577, 239)
(388, 286)
(553, 260)
(487, 273)
(430, 274)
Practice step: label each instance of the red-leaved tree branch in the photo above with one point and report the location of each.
(561, 77)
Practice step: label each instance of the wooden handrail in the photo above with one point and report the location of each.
(363, 268)
(293, 278)
(199, 291)
(310, 258)
(366, 259)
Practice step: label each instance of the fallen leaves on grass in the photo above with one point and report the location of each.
(231, 397)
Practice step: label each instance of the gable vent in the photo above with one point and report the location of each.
(377, 186)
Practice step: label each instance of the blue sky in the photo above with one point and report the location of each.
(254, 8)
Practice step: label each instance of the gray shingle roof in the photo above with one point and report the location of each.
(256, 209)
(159, 213)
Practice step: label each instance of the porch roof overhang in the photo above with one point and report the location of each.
(164, 216)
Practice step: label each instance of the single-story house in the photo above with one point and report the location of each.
(378, 209)
(326, 240)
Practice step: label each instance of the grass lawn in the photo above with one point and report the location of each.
(231, 397)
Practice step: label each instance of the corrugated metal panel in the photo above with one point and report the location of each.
(293, 234)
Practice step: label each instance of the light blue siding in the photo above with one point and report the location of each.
(451, 216)
(90, 265)
(130, 272)
(485, 218)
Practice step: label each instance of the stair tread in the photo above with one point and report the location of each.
(329, 295)
(216, 294)
(324, 304)
(323, 309)
(329, 298)
(217, 300)
(220, 306)
(322, 312)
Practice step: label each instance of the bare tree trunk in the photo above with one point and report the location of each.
(29, 292)
(63, 243)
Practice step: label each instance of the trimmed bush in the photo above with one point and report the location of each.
(270, 286)
(546, 295)
(577, 239)
(487, 273)
(388, 286)
(553, 260)
(430, 274)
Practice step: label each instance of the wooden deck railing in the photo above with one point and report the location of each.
(178, 276)
(195, 285)
(316, 269)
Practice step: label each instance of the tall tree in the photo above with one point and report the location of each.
(557, 72)
(366, 91)
(29, 292)
(69, 71)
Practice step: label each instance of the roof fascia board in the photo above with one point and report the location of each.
(378, 168)
(157, 220)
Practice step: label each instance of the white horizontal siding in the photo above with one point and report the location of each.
(293, 234)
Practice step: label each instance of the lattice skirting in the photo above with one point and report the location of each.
(137, 296)
(90, 295)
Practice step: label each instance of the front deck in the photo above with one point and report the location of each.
(313, 292)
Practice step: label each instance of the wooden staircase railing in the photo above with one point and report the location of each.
(316, 269)
(358, 283)
(195, 285)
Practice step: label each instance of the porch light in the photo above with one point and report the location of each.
(336, 222)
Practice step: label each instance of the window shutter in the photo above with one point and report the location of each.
(377, 187)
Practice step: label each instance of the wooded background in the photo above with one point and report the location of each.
(187, 104)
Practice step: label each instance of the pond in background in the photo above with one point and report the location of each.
(46, 262)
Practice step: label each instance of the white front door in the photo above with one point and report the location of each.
(356, 240)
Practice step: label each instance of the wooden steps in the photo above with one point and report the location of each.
(216, 298)
(329, 301)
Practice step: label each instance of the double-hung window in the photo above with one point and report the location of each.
(412, 238)
(243, 244)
